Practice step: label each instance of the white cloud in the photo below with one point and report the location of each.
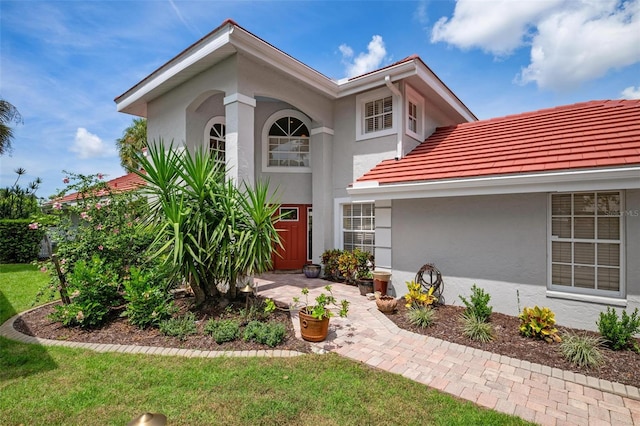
(570, 42)
(498, 27)
(365, 61)
(88, 145)
(631, 93)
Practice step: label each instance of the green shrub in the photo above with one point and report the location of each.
(539, 323)
(270, 333)
(618, 333)
(421, 316)
(94, 290)
(582, 350)
(148, 300)
(223, 330)
(330, 261)
(478, 305)
(476, 328)
(19, 243)
(179, 327)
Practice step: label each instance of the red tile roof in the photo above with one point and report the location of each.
(128, 182)
(584, 135)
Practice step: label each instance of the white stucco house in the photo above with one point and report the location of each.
(541, 208)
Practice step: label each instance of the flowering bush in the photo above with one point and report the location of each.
(95, 290)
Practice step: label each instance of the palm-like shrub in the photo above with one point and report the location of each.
(421, 316)
(476, 328)
(212, 231)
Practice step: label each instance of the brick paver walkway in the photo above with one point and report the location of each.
(548, 396)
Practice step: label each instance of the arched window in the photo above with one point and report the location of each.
(287, 142)
(215, 138)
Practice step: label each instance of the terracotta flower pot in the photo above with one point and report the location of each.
(386, 304)
(380, 281)
(313, 329)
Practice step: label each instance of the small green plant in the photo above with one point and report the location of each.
(319, 309)
(476, 328)
(618, 332)
(421, 316)
(270, 333)
(180, 327)
(582, 350)
(364, 264)
(417, 296)
(223, 330)
(539, 323)
(478, 305)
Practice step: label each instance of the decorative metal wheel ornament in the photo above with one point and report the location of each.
(429, 276)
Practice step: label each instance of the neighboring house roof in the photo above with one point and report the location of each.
(602, 135)
(230, 38)
(128, 182)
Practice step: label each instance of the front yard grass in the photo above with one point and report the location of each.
(52, 385)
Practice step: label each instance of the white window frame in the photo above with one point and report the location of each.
(207, 134)
(265, 141)
(339, 215)
(579, 293)
(412, 96)
(362, 100)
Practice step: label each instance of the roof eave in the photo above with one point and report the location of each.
(221, 43)
(555, 181)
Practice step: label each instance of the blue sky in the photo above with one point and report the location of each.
(63, 62)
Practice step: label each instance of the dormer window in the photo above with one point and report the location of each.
(415, 114)
(376, 114)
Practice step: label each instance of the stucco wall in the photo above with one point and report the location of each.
(499, 243)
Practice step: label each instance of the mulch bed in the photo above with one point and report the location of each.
(119, 331)
(618, 366)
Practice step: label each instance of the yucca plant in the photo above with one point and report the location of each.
(211, 231)
(582, 350)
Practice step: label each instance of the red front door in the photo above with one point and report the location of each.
(293, 233)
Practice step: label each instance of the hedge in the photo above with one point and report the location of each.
(19, 243)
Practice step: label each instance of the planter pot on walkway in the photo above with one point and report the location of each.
(380, 281)
(365, 285)
(386, 304)
(313, 329)
(311, 270)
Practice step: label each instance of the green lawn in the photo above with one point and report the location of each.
(50, 385)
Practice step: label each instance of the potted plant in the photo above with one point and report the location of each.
(364, 276)
(314, 317)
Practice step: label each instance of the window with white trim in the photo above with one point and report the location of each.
(376, 114)
(415, 114)
(358, 226)
(286, 146)
(215, 139)
(586, 243)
